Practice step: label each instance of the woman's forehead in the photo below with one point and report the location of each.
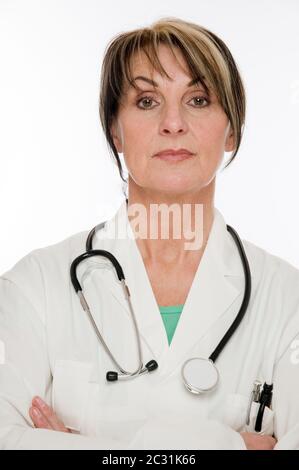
(140, 62)
(142, 71)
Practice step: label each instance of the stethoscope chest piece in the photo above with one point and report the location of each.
(199, 375)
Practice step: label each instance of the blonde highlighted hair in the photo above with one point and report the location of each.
(207, 57)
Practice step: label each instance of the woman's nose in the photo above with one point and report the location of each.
(172, 121)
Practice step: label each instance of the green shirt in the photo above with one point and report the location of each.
(171, 315)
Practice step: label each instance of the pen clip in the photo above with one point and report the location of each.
(254, 397)
(265, 400)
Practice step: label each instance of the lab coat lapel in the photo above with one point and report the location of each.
(210, 296)
(118, 238)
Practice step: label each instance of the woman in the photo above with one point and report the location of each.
(172, 101)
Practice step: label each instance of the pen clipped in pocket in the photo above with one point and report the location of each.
(267, 423)
(235, 414)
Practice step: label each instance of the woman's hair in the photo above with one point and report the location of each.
(206, 56)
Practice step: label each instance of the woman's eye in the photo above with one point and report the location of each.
(198, 100)
(146, 100)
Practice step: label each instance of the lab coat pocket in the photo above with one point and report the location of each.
(268, 420)
(235, 415)
(122, 408)
(70, 391)
(234, 411)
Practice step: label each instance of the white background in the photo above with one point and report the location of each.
(56, 175)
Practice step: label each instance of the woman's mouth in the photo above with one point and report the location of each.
(174, 155)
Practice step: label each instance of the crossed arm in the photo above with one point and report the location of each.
(27, 371)
(44, 417)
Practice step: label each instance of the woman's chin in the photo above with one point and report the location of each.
(173, 188)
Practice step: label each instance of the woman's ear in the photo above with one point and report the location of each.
(116, 137)
(230, 143)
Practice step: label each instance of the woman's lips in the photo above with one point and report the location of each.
(174, 157)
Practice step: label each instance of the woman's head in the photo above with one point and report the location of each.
(192, 97)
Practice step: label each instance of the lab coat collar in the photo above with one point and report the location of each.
(211, 294)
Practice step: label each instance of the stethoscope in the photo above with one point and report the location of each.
(199, 374)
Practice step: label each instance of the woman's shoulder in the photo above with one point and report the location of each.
(265, 263)
(24, 287)
(276, 291)
(47, 259)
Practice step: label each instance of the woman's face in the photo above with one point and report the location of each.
(172, 115)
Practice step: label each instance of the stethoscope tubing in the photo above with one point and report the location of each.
(90, 252)
(246, 297)
(85, 306)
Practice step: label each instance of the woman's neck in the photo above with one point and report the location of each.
(170, 229)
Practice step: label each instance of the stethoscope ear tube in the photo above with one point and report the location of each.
(89, 254)
(90, 238)
(112, 376)
(246, 297)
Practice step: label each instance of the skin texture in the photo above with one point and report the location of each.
(44, 417)
(173, 116)
(257, 442)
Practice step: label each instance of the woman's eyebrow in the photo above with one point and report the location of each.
(155, 84)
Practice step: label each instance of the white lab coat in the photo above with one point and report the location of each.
(51, 349)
